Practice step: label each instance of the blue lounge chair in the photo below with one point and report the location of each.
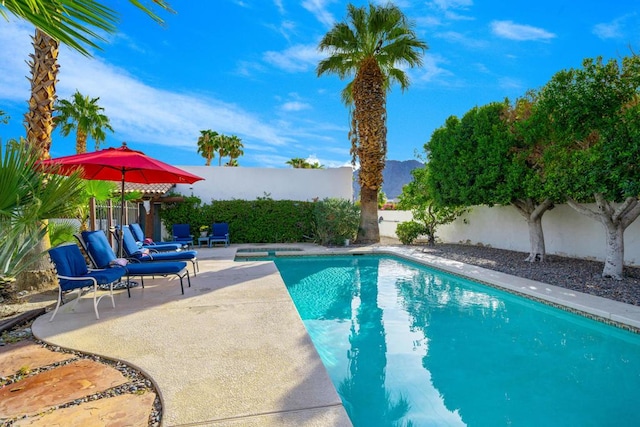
(138, 234)
(182, 234)
(133, 252)
(219, 234)
(73, 274)
(101, 254)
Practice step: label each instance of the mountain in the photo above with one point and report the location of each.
(396, 174)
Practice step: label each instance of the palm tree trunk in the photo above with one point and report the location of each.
(81, 142)
(39, 124)
(44, 72)
(369, 143)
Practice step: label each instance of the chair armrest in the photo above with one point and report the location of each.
(78, 278)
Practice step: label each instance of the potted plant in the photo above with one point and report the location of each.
(204, 230)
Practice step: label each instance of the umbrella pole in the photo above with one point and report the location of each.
(121, 231)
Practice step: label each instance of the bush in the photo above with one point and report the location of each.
(409, 231)
(250, 221)
(335, 220)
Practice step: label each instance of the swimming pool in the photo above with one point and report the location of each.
(408, 345)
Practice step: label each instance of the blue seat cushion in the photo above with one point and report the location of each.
(167, 256)
(160, 268)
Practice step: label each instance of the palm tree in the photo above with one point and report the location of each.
(74, 23)
(27, 198)
(371, 45)
(298, 163)
(208, 144)
(83, 115)
(234, 150)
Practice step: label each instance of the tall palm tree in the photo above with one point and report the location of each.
(370, 45)
(234, 150)
(82, 114)
(76, 23)
(208, 144)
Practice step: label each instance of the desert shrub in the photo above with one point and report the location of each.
(335, 220)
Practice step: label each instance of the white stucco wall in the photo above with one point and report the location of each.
(566, 232)
(239, 183)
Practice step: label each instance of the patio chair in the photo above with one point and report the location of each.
(134, 253)
(142, 242)
(73, 275)
(182, 234)
(219, 234)
(99, 251)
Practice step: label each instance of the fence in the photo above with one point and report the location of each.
(105, 215)
(566, 232)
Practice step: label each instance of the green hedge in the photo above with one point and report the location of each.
(250, 221)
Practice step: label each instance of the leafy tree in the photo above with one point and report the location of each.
(592, 116)
(84, 115)
(374, 45)
(427, 214)
(490, 157)
(208, 144)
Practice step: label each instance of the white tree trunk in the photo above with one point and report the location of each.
(533, 214)
(615, 221)
(614, 261)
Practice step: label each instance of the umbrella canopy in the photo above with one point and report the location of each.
(119, 164)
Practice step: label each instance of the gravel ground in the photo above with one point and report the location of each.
(576, 274)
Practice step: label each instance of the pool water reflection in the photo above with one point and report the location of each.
(406, 345)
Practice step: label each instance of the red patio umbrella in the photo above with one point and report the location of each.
(119, 164)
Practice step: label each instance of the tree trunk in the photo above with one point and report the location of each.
(39, 125)
(44, 72)
(368, 232)
(614, 260)
(41, 275)
(369, 143)
(615, 221)
(533, 214)
(81, 142)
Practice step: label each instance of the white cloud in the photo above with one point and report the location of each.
(451, 8)
(452, 4)
(294, 59)
(15, 39)
(295, 106)
(319, 9)
(512, 31)
(614, 29)
(610, 30)
(461, 39)
(431, 69)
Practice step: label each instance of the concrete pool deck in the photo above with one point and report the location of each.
(233, 350)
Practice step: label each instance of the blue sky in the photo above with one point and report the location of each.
(247, 67)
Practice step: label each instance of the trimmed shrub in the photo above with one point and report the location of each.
(335, 220)
(409, 231)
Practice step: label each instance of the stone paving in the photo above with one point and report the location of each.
(40, 387)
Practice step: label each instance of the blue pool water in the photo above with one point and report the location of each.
(409, 346)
